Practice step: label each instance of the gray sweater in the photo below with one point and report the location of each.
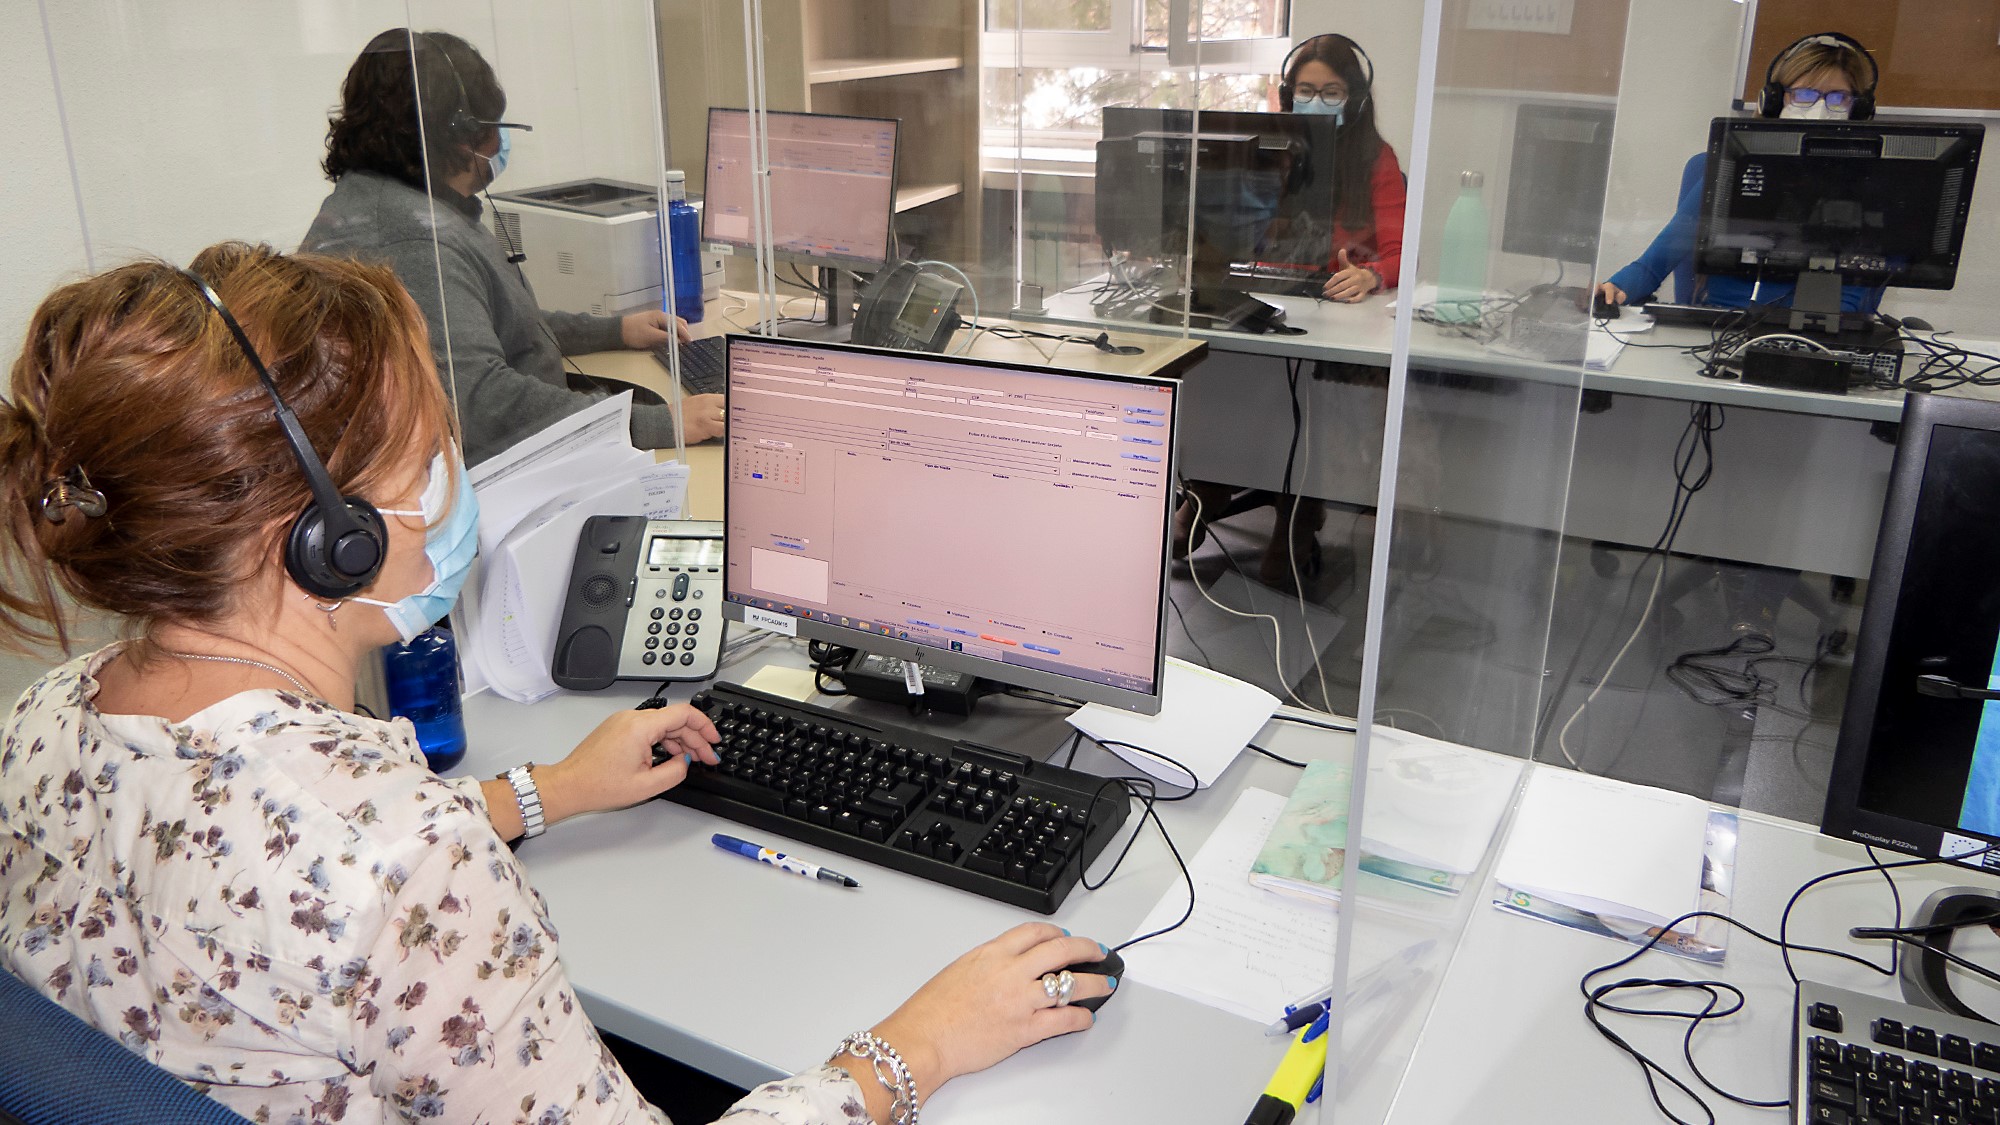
(497, 351)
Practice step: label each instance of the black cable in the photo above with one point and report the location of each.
(1292, 367)
(1047, 697)
(1187, 632)
(1278, 758)
(827, 660)
(1652, 1070)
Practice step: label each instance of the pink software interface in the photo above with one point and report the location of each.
(833, 182)
(1019, 516)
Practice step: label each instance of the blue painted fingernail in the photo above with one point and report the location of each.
(1101, 949)
(1112, 983)
(1065, 932)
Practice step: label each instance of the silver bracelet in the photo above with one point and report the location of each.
(890, 1071)
(529, 797)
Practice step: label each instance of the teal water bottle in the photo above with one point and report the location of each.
(1462, 259)
(683, 235)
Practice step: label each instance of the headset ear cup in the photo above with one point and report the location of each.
(1864, 107)
(335, 566)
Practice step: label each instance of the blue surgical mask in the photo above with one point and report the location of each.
(1319, 108)
(449, 544)
(498, 161)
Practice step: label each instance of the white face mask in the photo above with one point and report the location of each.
(1818, 111)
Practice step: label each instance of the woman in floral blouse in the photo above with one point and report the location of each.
(205, 852)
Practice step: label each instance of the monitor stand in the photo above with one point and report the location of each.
(1816, 303)
(1221, 308)
(1924, 972)
(838, 323)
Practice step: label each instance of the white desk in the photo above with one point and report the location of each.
(750, 974)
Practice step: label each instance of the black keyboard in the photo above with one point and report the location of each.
(1695, 316)
(704, 365)
(1863, 1059)
(968, 816)
(1289, 281)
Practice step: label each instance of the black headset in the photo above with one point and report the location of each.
(338, 544)
(1367, 82)
(463, 127)
(1771, 101)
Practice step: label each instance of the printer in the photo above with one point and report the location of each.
(590, 246)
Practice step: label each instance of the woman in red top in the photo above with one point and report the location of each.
(1332, 75)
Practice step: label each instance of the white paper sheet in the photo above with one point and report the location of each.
(604, 423)
(1205, 718)
(1431, 803)
(1245, 950)
(1607, 847)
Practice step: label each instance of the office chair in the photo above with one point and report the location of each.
(58, 1070)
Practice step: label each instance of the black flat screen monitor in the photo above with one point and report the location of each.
(833, 185)
(1874, 203)
(998, 519)
(1263, 191)
(1555, 182)
(1917, 767)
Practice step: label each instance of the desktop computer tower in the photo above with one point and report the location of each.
(590, 246)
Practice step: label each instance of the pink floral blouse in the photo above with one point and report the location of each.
(278, 902)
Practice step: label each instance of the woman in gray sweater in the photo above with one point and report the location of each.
(418, 135)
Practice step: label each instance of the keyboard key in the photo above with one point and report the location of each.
(1956, 1048)
(1922, 1040)
(1824, 1016)
(1888, 1032)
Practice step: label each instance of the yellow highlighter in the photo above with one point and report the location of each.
(1294, 1078)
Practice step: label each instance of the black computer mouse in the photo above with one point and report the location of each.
(1917, 324)
(1601, 309)
(1111, 965)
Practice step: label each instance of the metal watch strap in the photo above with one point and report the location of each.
(522, 778)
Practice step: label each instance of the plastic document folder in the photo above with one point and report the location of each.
(1606, 847)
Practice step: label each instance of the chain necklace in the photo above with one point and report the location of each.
(294, 680)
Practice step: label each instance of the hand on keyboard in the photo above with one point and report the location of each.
(615, 765)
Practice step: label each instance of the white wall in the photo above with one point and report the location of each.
(194, 122)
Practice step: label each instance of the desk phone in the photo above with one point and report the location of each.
(644, 603)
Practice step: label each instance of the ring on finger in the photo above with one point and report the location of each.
(1051, 985)
(1065, 982)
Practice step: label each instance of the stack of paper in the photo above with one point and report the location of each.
(533, 501)
(1607, 341)
(1244, 950)
(1606, 847)
(1204, 721)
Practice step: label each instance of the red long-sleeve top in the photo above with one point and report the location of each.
(1380, 247)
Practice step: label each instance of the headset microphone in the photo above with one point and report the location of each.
(337, 545)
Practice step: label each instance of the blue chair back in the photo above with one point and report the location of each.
(56, 1069)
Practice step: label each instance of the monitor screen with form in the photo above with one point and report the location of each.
(1005, 521)
(833, 184)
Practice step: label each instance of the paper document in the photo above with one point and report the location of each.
(1432, 803)
(1606, 847)
(1205, 718)
(1245, 950)
(533, 500)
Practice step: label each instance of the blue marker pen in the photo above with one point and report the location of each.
(778, 860)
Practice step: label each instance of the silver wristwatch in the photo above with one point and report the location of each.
(522, 778)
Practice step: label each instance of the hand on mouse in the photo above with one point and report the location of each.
(1351, 282)
(1611, 293)
(613, 766)
(983, 1007)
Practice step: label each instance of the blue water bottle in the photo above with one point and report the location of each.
(422, 682)
(683, 236)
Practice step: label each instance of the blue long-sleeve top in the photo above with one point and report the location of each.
(1672, 252)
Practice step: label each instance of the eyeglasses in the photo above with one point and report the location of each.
(1331, 95)
(1806, 95)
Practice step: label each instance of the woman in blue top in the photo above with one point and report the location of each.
(1826, 76)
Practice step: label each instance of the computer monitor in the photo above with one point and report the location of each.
(1917, 766)
(1874, 203)
(833, 186)
(1006, 521)
(1262, 202)
(1555, 181)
